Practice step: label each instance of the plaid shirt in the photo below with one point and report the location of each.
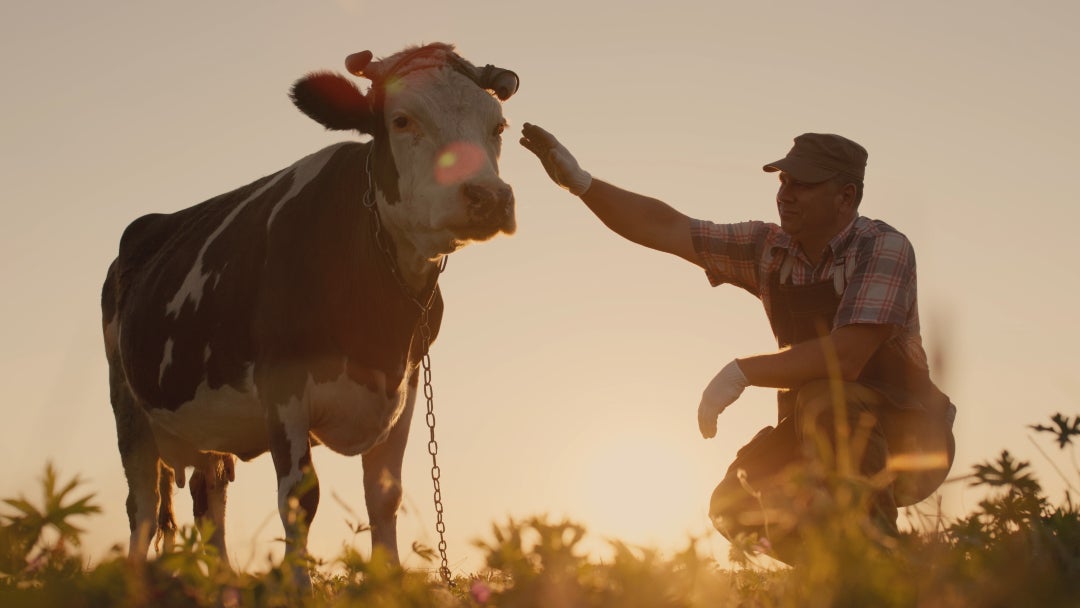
(878, 261)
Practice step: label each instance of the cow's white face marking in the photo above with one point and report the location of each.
(303, 171)
(443, 132)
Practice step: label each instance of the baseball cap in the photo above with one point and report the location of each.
(816, 157)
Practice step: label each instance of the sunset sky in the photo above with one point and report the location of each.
(570, 363)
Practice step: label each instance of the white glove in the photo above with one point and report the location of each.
(724, 389)
(557, 160)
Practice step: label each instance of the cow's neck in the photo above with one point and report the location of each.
(417, 270)
(414, 268)
(415, 263)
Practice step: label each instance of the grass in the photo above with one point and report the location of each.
(1015, 549)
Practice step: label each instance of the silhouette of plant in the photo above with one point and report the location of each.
(1064, 429)
(25, 545)
(1015, 548)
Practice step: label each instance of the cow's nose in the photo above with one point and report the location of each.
(486, 199)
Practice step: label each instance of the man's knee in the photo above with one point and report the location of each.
(746, 512)
(729, 506)
(832, 419)
(820, 404)
(814, 394)
(747, 497)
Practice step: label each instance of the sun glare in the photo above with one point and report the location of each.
(635, 489)
(457, 162)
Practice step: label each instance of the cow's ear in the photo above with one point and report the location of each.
(333, 101)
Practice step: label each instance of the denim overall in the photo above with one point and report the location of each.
(913, 416)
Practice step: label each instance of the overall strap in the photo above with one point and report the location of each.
(841, 273)
(839, 277)
(786, 266)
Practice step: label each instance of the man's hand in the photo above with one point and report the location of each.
(557, 160)
(724, 389)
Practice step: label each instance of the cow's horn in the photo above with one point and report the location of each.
(503, 82)
(356, 62)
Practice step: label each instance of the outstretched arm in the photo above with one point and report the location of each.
(644, 220)
(641, 219)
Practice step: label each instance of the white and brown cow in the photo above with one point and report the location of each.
(288, 312)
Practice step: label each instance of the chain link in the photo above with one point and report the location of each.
(433, 445)
(425, 363)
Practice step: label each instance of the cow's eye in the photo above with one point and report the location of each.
(400, 122)
(499, 130)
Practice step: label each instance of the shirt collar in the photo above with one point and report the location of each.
(843, 239)
(836, 245)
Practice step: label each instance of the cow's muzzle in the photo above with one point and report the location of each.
(490, 208)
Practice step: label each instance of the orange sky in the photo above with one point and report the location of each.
(570, 362)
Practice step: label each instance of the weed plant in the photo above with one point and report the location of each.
(1016, 548)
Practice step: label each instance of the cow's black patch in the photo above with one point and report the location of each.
(334, 102)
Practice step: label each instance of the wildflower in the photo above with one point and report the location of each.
(762, 546)
(230, 597)
(480, 592)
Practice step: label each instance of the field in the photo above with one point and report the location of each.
(1017, 548)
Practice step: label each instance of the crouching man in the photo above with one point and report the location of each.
(839, 290)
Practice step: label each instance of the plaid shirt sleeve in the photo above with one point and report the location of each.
(731, 253)
(882, 289)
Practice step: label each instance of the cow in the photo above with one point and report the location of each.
(295, 310)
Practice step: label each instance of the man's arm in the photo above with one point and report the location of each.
(644, 220)
(641, 219)
(845, 351)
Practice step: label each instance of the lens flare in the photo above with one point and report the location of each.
(393, 86)
(457, 162)
(918, 462)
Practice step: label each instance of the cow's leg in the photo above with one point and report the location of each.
(166, 534)
(382, 481)
(298, 486)
(139, 454)
(209, 484)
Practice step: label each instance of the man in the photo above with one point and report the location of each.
(840, 293)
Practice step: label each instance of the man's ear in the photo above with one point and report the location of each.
(848, 193)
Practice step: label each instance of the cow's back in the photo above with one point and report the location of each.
(189, 284)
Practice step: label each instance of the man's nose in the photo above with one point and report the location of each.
(783, 194)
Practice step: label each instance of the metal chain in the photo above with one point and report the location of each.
(425, 361)
(433, 448)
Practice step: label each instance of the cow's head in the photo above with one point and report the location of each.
(436, 125)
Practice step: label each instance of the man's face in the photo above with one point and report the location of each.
(811, 213)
